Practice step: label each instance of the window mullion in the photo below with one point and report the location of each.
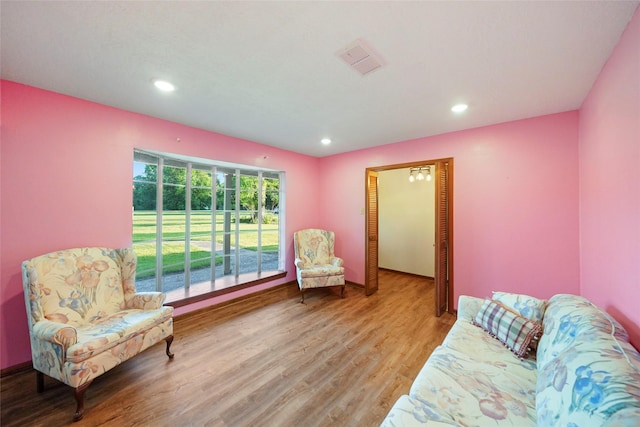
(214, 221)
(281, 214)
(260, 210)
(159, 241)
(237, 231)
(187, 229)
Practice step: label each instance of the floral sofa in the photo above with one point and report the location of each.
(85, 317)
(584, 372)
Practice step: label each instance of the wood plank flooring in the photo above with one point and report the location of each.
(268, 361)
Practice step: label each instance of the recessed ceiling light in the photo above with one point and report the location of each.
(459, 108)
(325, 141)
(164, 85)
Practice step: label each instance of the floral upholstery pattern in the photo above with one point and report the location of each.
(529, 307)
(84, 315)
(586, 374)
(316, 263)
(470, 392)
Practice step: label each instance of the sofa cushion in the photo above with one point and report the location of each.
(525, 305)
(588, 373)
(111, 330)
(569, 318)
(470, 391)
(514, 331)
(470, 339)
(409, 412)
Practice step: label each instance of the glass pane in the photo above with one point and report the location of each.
(144, 171)
(201, 199)
(200, 179)
(173, 198)
(144, 196)
(146, 268)
(225, 239)
(269, 248)
(144, 226)
(173, 226)
(174, 175)
(248, 252)
(200, 246)
(172, 265)
(200, 262)
(271, 188)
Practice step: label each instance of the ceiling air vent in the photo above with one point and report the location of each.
(360, 57)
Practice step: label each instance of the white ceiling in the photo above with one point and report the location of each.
(268, 71)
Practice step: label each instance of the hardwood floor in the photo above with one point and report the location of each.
(263, 362)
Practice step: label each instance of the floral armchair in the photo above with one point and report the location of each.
(85, 316)
(316, 264)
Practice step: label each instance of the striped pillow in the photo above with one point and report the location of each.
(511, 329)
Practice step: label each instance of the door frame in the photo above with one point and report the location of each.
(431, 162)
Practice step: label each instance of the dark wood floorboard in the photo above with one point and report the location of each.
(268, 361)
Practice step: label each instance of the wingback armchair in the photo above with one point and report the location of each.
(316, 264)
(85, 317)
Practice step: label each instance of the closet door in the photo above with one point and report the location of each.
(371, 233)
(443, 238)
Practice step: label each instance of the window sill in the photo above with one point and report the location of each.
(221, 286)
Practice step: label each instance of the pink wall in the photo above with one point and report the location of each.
(515, 203)
(66, 182)
(610, 185)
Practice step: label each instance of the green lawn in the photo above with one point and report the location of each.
(173, 234)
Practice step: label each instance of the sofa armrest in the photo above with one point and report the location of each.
(55, 332)
(468, 307)
(336, 261)
(146, 301)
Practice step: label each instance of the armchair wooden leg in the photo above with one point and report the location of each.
(169, 340)
(342, 292)
(39, 381)
(301, 296)
(78, 393)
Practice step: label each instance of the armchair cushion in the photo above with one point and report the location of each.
(320, 271)
(114, 329)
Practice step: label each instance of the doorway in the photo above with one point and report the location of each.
(443, 229)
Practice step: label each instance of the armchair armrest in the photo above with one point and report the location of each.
(54, 332)
(468, 307)
(146, 300)
(337, 261)
(299, 262)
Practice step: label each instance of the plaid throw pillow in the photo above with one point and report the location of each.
(512, 330)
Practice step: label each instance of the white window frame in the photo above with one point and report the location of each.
(213, 167)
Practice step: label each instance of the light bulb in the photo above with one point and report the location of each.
(459, 108)
(420, 176)
(411, 178)
(429, 176)
(164, 86)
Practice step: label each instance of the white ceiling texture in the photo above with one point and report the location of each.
(269, 71)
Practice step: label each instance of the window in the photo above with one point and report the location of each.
(196, 220)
